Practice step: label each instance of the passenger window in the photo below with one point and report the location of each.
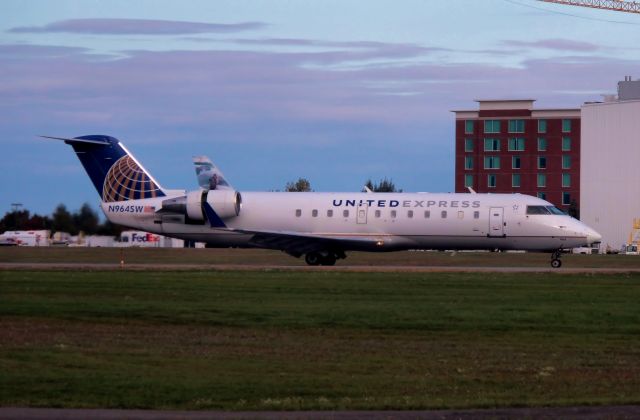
(443, 214)
(410, 214)
(298, 213)
(314, 213)
(393, 214)
(476, 214)
(427, 214)
(329, 213)
(345, 213)
(377, 214)
(460, 215)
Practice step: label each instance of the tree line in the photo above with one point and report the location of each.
(61, 220)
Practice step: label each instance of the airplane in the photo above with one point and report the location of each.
(321, 226)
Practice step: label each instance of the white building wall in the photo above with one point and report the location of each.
(610, 169)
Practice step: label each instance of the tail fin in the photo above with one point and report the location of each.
(209, 176)
(115, 173)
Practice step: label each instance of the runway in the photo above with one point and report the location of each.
(6, 266)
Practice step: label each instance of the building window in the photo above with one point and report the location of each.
(516, 144)
(566, 161)
(491, 145)
(566, 144)
(329, 213)
(542, 144)
(427, 214)
(468, 145)
(492, 126)
(468, 181)
(542, 195)
(314, 213)
(468, 162)
(378, 213)
(566, 126)
(515, 180)
(542, 126)
(515, 162)
(345, 213)
(566, 198)
(443, 214)
(468, 126)
(492, 162)
(566, 180)
(542, 162)
(410, 214)
(542, 180)
(476, 214)
(298, 212)
(516, 126)
(491, 180)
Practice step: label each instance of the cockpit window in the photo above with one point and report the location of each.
(537, 210)
(544, 210)
(555, 210)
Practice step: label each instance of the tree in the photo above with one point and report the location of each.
(62, 221)
(86, 220)
(301, 185)
(385, 185)
(15, 220)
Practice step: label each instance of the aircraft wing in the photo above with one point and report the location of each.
(296, 244)
(209, 176)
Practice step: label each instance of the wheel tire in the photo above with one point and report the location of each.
(312, 258)
(329, 260)
(556, 263)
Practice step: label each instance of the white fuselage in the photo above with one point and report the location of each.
(384, 221)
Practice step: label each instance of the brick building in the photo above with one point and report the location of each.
(507, 146)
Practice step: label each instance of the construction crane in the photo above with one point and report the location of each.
(617, 5)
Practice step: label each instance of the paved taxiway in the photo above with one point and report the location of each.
(303, 268)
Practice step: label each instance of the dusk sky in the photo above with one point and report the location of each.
(333, 91)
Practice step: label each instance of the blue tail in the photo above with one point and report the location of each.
(115, 173)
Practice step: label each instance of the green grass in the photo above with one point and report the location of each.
(317, 340)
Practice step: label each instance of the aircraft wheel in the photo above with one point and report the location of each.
(556, 263)
(312, 258)
(329, 260)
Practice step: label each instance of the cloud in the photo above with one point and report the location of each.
(137, 27)
(40, 51)
(556, 44)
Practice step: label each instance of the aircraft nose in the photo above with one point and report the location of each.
(593, 236)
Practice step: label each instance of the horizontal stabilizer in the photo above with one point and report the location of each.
(78, 140)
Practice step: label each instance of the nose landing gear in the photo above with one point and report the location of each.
(555, 259)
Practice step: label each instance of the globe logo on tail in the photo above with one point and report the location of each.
(126, 180)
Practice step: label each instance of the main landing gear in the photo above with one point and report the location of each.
(555, 259)
(323, 258)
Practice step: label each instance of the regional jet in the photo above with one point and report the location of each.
(322, 227)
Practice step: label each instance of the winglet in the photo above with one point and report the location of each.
(471, 190)
(213, 218)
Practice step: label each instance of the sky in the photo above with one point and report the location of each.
(335, 91)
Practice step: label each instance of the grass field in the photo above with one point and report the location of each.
(261, 257)
(317, 340)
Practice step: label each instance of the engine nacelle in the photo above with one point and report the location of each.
(226, 204)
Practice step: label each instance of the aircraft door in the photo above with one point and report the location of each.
(496, 221)
(361, 217)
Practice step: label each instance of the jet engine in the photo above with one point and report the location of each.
(226, 204)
